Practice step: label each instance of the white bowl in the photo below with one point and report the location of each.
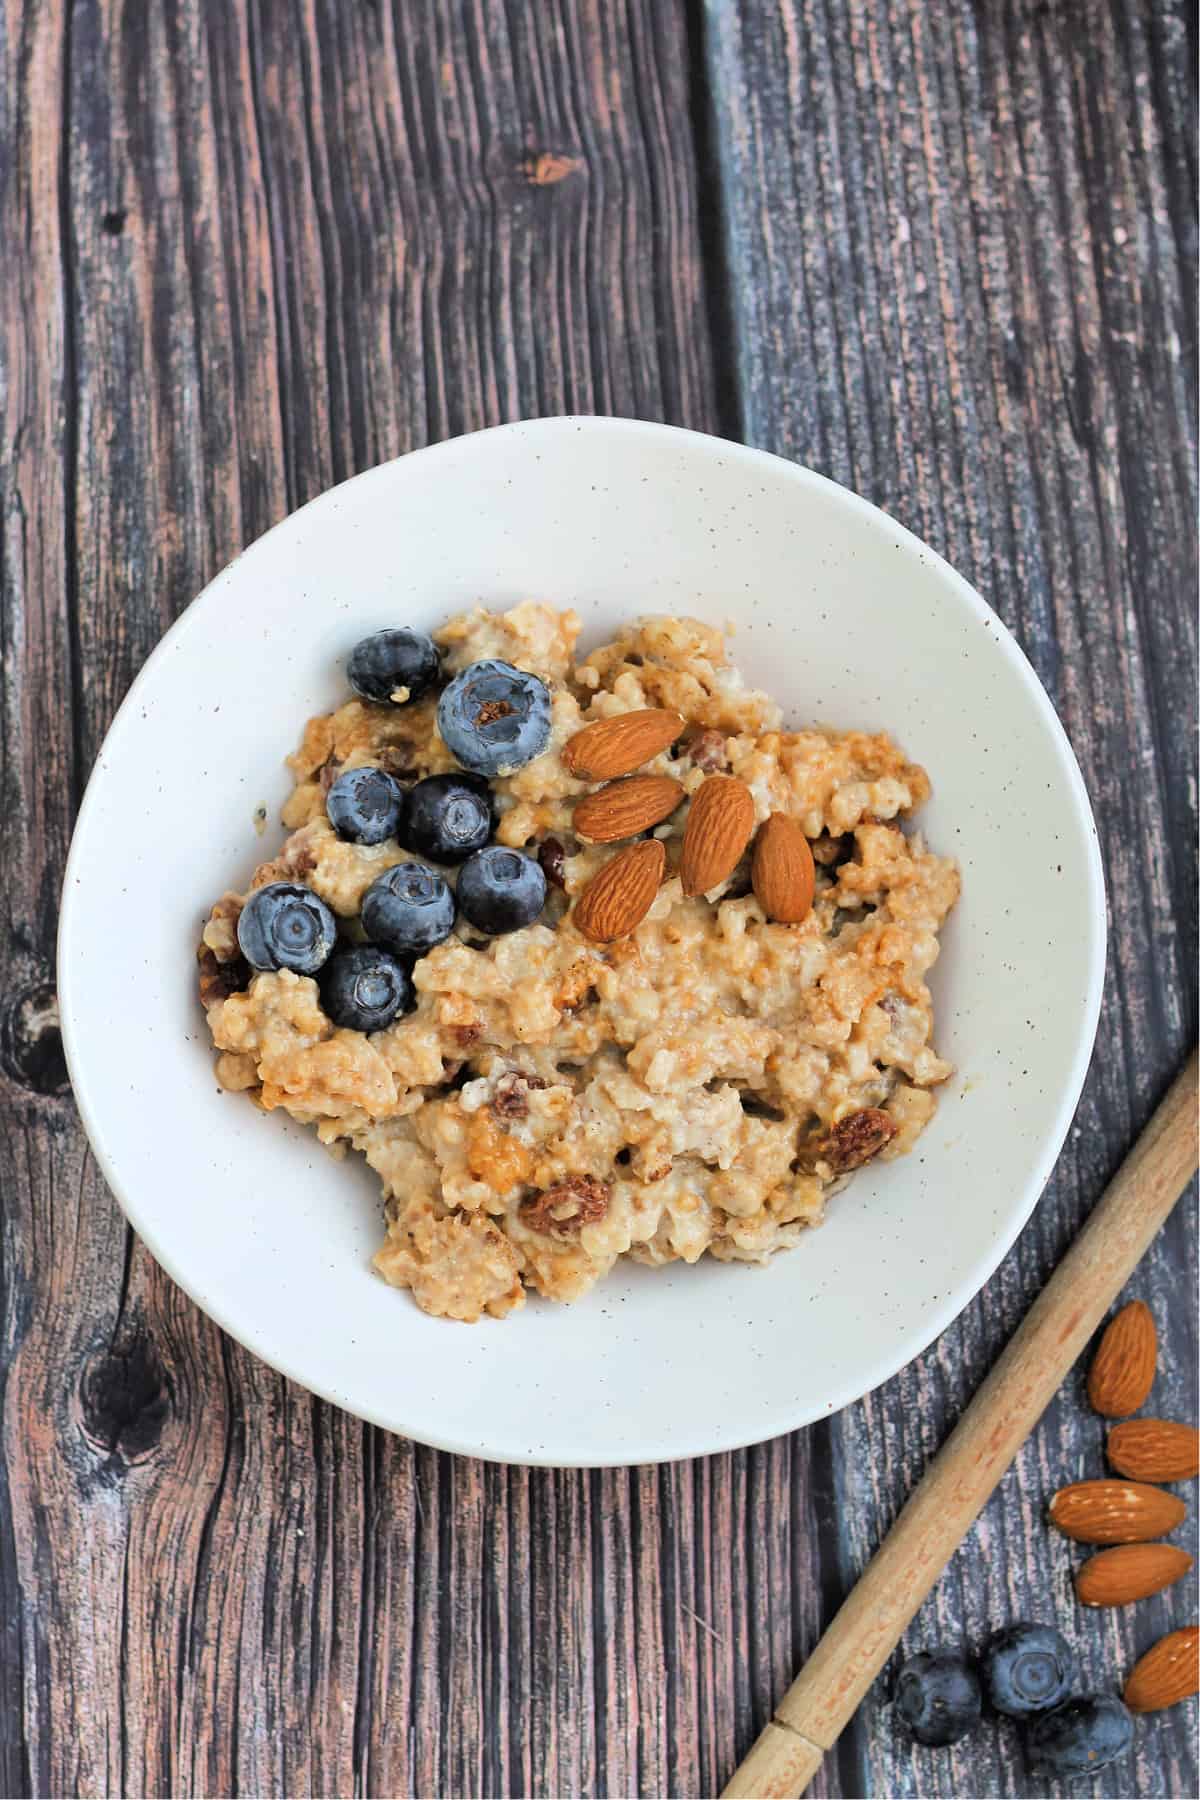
(847, 620)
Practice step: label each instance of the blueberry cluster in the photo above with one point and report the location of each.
(494, 719)
(1027, 1672)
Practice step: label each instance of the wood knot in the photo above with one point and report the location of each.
(545, 168)
(31, 1050)
(125, 1398)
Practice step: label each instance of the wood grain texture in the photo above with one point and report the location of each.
(264, 243)
(961, 252)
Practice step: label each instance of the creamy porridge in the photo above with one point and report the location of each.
(637, 1071)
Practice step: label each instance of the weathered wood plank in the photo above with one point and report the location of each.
(43, 1159)
(962, 256)
(269, 245)
(274, 244)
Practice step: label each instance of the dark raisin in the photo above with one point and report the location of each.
(552, 856)
(855, 1139)
(706, 748)
(220, 979)
(511, 1097)
(830, 852)
(567, 1206)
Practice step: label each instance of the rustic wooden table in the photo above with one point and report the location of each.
(943, 250)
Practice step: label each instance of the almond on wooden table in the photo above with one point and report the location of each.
(610, 747)
(718, 829)
(782, 872)
(1154, 1450)
(1130, 1572)
(619, 895)
(625, 808)
(1168, 1672)
(1122, 1371)
(1115, 1512)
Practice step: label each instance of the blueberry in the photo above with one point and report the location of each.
(1027, 1669)
(938, 1697)
(387, 663)
(494, 718)
(365, 989)
(365, 806)
(1085, 1734)
(500, 890)
(285, 926)
(448, 817)
(409, 909)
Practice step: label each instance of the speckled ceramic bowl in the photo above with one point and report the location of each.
(848, 620)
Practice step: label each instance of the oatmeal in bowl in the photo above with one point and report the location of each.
(586, 955)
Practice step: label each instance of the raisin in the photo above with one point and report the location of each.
(832, 851)
(855, 1139)
(397, 760)
(551, 855)
(706, 749)
(220, 979)
(511, 1098)
(567, 1206)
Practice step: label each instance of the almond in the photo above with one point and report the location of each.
(782, 870)
(1122, 1371)
(619, 745)
(1115, 1512)
(619, 895)
(718, 829)
(1115, 1577)
(625, 808)
(1154, 1450)
(1167, 1673)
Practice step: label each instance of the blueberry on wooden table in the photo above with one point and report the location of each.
(494, 718)
(408, 909)
(286, 926)
(1081, 1736)
(500, 890)
(394, 667)
(364, 989)
(366, 806)
(938, 1696)
(1027, 1669)
(449, 816)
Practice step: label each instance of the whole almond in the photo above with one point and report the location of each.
(1115, 1512)
(618, 746)
(619, 895)
(1115, 1577)
(624, 808)
(719, 823)
(1168, 1672)
(1122, 1371)
(782, 870)
(1154, 1450)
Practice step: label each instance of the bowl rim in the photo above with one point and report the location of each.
(933, 1323)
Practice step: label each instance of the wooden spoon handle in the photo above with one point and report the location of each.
(959, 1481)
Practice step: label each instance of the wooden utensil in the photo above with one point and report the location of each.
(959, 1481)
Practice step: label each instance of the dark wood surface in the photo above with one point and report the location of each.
(944, 252)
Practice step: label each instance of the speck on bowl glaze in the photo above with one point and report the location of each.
(847, 620)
